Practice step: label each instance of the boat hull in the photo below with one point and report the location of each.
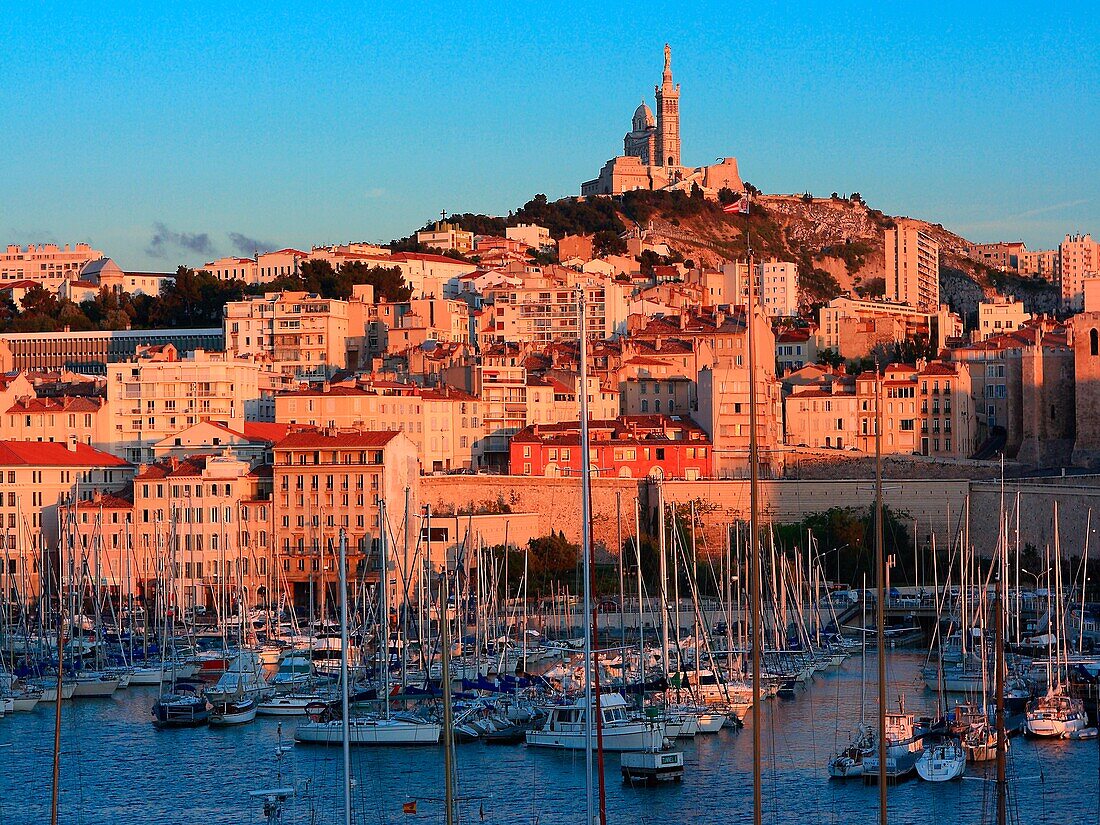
(369, 732)
(941, 765)
(627, 738)
(95, 688)
(233, 713)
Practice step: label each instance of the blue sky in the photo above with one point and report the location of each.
(168, 133)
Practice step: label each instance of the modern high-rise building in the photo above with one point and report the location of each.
(1079, 258)
(912, 266)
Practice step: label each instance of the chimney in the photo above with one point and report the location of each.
(71, 443)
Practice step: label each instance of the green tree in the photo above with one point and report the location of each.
(607, 242)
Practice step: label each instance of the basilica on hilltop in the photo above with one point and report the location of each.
(651, 152)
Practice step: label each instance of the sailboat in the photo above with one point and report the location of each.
(1056, 713)
(848, 762)
(942, 761)
(180, 704)
(328, 725)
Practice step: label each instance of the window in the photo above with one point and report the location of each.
(1094, 342)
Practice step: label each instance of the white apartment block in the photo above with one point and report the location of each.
(1078, 258)
(544, 314)
(912, 266)
(776, 287)
(159, 393)
(264, 268)
(531, 234)
(304, 335)
(47, 264)
(1002, 314)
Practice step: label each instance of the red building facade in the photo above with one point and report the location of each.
(635, 446)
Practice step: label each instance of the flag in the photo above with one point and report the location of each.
(738, 207)
(409, 807)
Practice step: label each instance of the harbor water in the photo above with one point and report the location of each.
(116, 768)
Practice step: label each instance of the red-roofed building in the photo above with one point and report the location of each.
(212, 515)
(36, 479)
(355, 481)
(653, 446)
(822, 416)
(50, 418)
(444, 424)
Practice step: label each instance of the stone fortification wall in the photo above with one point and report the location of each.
(926, 504)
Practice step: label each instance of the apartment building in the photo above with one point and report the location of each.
(853, 327)
(1004, 255)
(530, 234)
(446, 236)
(900, 423)
(1001, 314)
(47, 264)
(209, 517)
(646, 446)
(36, 480)
(57, 419)
(548, 313)
(444, 424)
(304, 335)
(912, 266)
(1078, 259)
(794, 349)
(1041, 263)
(398, 327)
(264, 268)
(91, 352)
(947, 423)
(361, 483)
(159, 393)
(776, 288)
(816, 416)
(667, 396)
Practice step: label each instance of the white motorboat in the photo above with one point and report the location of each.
(566, 725)
(25, 701)
(295, 672)
(942, 762)
(48, 686)
(1056, 714)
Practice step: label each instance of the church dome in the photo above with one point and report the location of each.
(643, 118)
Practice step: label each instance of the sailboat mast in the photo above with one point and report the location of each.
(384, 605)
(445, 679)
(60, 673)
(880, 597)
(999, 679)
(586, 553)
(344, 722)
(754, 550)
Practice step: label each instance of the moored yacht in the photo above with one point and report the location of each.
(566, 725)
(1056, 714)
(942, 762)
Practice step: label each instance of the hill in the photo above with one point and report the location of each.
(838, 243)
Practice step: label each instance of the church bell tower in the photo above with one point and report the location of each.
(668, 116)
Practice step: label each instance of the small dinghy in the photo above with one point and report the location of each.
(1084, 733)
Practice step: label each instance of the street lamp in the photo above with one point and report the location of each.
(1037, 576)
